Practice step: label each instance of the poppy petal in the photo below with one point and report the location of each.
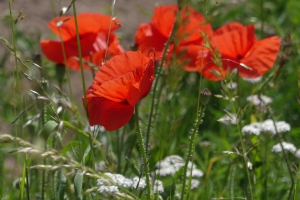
(53, 49)
(163, 19)
(233, 40)
(261, 57)
(118, 74)
(112, 115)
(147, 38)
(140, 89)
(192, 25)
(87, 23)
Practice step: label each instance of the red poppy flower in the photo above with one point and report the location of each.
(157, 32)
(240, 49)
(119, 84)
(93, 33)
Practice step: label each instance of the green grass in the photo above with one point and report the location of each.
(50, 152)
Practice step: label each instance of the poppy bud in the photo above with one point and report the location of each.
(204, 96)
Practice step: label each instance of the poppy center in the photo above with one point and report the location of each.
(239, 57)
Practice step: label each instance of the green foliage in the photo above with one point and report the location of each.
(49, 139)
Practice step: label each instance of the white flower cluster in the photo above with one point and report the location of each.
(261, 102)
(111, 184)
(172, 164)
(266, 127)
(286, 146)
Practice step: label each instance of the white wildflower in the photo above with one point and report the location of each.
(227, 120)
(172, 164)
(120, 180)
(261, 102)
(266, 127)
(196, 173)
(252, 129)
(108, 189)
(297, 154)
(286, 146)
(281, 126)
(253, 80)
(158, 187)
(231, 85)
(138, 182)
(194, 183)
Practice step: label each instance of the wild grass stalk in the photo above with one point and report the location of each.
(64, 56)
(143, 152)
(185, 191)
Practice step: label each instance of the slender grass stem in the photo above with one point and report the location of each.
(144, 155)
(17, 88)
(243, 150)
(64, 56)
(80, 55)
(191, 150)
(109, 29)
(284, 154)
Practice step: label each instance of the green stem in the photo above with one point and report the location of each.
(109, 28)
(80, 56)
(64, 56)
(191, 149)
(284, 154)
(144, 155)
(262, 10)
(243, 150)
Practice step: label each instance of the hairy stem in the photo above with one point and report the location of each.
(191, 149)
(144, 155)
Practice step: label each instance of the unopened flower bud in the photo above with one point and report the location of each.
(204, 96)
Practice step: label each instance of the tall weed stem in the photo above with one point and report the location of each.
(144, 155)
(191, 149)
(243, 150)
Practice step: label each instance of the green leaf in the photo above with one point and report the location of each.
(133, 167)
(48, 129)
(69, 146)
(78, 180)
(86, 155)
(22, 183)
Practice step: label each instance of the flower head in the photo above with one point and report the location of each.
(266, 127)
(187, 36)
(93, 31)
(261, 102)
(286, 146)
(118, 85)
(172, 164)
(240, 49)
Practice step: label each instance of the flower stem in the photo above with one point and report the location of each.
(144, 155)
(191, 148)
